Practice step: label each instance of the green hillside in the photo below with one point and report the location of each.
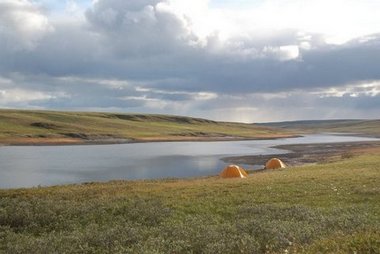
(22, 126)
(365, 127)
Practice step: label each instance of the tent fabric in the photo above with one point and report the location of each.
(274, 163)
(233, 171)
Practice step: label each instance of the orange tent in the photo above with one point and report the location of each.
(274, 163)
(233, 171)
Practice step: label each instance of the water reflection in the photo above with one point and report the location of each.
(49, 165)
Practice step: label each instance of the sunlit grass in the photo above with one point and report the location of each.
(16, 126)
(366, 127)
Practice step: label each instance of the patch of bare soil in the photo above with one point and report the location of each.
(41, 141)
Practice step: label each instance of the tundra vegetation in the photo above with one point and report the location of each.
(364, 127)
(54, 127)
(329, 207)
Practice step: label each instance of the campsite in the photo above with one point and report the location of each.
(326, 207)
(189, 127)
(321, 197)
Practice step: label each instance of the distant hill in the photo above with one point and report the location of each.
(363, 127)
(54, 127)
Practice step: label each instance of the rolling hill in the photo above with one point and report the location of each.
(54, 127)
(362, 127)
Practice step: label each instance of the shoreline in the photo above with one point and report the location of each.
(75, 142)
(297, 155)
(301, 154)
(120, 141)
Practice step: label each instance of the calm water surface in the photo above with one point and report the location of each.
(27, 166)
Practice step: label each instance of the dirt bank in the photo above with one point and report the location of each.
(30, 141)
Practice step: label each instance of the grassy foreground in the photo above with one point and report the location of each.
(322, 208)
(41, 127)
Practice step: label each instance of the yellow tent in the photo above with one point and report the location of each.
(274, 163)
(233, 171)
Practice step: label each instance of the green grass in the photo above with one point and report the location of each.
(366, 127)
(20, 125)
(323, 208)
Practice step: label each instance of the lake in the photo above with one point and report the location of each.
(27, 166)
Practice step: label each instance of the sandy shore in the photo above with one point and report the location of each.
(309, 153)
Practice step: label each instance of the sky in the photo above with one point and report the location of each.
(229, 60)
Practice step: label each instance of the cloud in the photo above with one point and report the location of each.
(22, 25)
(371, 89)
(276, 58)
(287, 52)
(141, 28)
(11, 95)
(293, 105)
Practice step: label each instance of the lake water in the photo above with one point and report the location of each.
(27, 166)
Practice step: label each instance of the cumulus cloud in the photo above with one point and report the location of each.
(22, 25)
(287, 52)
(142, 28)
(187, 57)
